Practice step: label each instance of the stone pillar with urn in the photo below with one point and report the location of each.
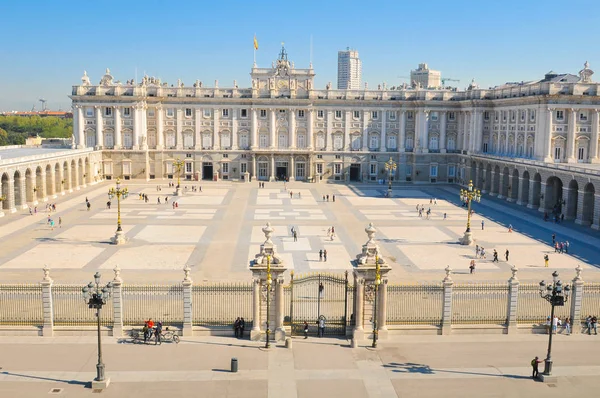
(370, 275)
(267, 275)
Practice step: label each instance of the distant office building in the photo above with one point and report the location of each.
(349, 70)
(425, 77)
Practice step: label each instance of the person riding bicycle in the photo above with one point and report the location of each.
(157, 333)
(148, 329)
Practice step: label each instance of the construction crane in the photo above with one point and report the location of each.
(43, 101)
(448, 79)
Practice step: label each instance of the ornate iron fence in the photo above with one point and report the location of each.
(590, 304)
(415, 304)
(162, 303)
(25, 309)
(219, 304)
(70, 309)
(481, 303)
(533, 309)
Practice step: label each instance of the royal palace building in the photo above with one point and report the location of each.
(530, 142)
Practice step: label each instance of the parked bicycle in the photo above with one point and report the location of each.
(137, 335)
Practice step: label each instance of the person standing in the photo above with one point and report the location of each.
(305, 330)
(88, 206)
(321, 323)
(158, 334)
(553, 239)
(334, 198)
(476, 251)
(482, 224)
(495, 260)
(567, 325)
(320, 255)
(444, 216)
(567, 244)
(295, 236)
(472, 266)
(242, 327)
(325, 255)
(59, 222)
(595, 324)
(534, 364)
(236, 327)
(546, 260)
(506, 255)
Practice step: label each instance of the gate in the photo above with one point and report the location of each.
(316, 295)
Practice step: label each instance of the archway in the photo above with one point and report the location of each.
(480, 176)
(473, 175)
(513, 190)
(487, 183)
(49, 189)
(39, 183)
(29, 194)
(589, 193)
(18, 189)
(571, 210)
(57, 179)
(524, 191)
(65, 176)
(74, 184)
(5, 191)
(505, 183)
(553, 195)
(496, 183)
(537, 190)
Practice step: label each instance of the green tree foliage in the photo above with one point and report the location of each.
(14, 130)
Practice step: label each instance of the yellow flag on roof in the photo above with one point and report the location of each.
(255, 43)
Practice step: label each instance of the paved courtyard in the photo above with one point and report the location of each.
(218, 231)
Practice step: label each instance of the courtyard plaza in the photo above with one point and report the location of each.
(218, 231)
(403, 366)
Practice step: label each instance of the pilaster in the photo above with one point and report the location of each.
(48, 312)
(117, 299)
(513, 296)
(576, 298)
(447, 309)
(187, 302)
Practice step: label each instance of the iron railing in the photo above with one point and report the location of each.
(415, 304)
(162, 303)
(481, 303)
(590, 303)
(70, 308)
(219, 304)
(21, 305)
(533, 309)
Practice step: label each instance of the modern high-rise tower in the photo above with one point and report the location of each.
(349, 70)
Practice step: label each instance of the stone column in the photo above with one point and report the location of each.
(160, 125)
(383, 144)
(10, 197)
(272, 171)
(382, 308)
(292, 132)
(80, 126)
(254, 131)
(254, 175)
(347, 124)
(292, 172)
(358, 333)
(465, 131)
(23, 187)
(576, 297)
(595, 223)
(197, 128)
(272, 128)
(365, 131)
(543, 200)
(520, 191)
(99, 127)
(513, 295)
(443, 117)
(402, 143)
(493, 186)
(117, 296)
(530, 204)
(187, 302)
(329, 131)
(179, 128)
(256, 322)
(279, 309)
(571, 134)
(53, 184)
(447, 309)
(424, 136)
(42, 188)
(594, 143)
(548, 156)
(48, 311)
(117, 142)
(234, 129)
(311, 123)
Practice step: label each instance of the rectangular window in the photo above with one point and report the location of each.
(301, 113)
(126, 111)
(319, 168)
(583, 116)
(108, 111)
(374, 114)
(151, 112)
(392, 115)
(503, 116)
(522, 116)
(188, 112)
(243, 167)
(373, 169)
(486, 115)
(512, 115)
(225, 167)
(356, 115)
(581, 153)
(532, 115)
(434, 116)
(89, 112)
(485, 147)
(557, 153)
(451, 171)
(560, 115)
(170, 112)
(433, 170)
(320, 114)
(409, 115)
(451, 116)
(337, 168)
(225, 112)
(263, 113)
(244, 113)
(338, 114)
(188, 167)
(206, 113)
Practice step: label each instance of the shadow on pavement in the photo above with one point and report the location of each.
(426, 369)
(73, 382)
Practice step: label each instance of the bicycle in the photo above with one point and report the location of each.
(137, 335)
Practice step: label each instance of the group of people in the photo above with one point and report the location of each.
(320, 327)
(239, 325)
(150, 329)
(326, 198)
(143, 196)
(51, 222)
(552, 325)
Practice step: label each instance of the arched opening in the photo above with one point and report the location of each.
(65, 176)
(505, 183)
(553, 195)
(524, 191)
(480, 171)
(5, 192)
(82, 174)
(496, 184)
(572, 197)
(487, 182)
(18, 189)
(39, 183)
(589, 193)
(49, 189)
(537, 190)
(513, 188)
(57, 180)
(29, 194)
(73, 175)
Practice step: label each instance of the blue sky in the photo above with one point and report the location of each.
(47, 45)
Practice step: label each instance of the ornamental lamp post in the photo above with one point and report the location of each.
(269, 281)
(377, 283)
(390, 166)
(178, 164)
(467, 196)
(557, 295)
(119, 192)
(96, 297)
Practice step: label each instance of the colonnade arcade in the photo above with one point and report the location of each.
(31, 183)
(576, 197)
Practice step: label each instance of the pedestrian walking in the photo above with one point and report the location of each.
(567, 325)
(158, 201)
(108, 205)
(506, 255)
(567, 244)
(327, 196)
(325, 255)
(323, 198)
(88, 206)
(59, 222)
(321, 255)
(35, 210)
(472, 266)
(236, 327)
(242, 327)
(321, 323)
(295, 236)
(556, 247)
(495, 260)
(534, 364)
(482, 224)
(334, 198)
(560, 247)
(305, 330)
(434, 201)
(553, 239)
(476, 251)
(595, 324)
(30, 211)
(52, 224)
(554, 324)
(166, 199)
(444, 216)
(510, 228)
(291, 194)
(546, 260)
(483, 252)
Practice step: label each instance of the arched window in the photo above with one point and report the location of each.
(338, 142)
(320, 141)
(433, 142)
(356, 142)
(451, 143)
(373, 141)
(391, 144)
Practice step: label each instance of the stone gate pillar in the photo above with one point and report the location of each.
(576, 298)
(47, 308)
(513, 295)
(117, 296)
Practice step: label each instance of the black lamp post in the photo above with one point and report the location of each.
(96, 297)
(556, 294)
(377, 283)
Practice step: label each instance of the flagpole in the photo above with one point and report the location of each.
(254, 47)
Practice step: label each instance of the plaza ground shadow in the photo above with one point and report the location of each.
(410, 367)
